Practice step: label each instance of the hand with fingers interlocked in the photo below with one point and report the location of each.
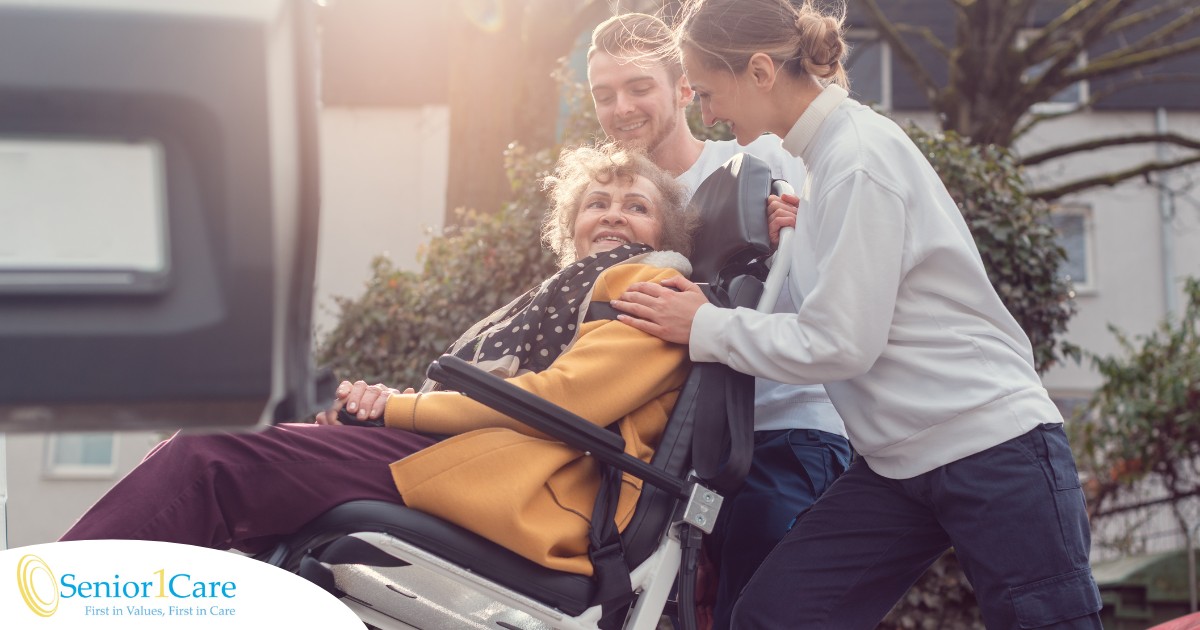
(366, 402)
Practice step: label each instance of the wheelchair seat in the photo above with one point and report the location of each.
(397, 567)
(568, 592)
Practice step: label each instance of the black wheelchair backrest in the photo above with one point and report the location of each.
(733, 220)
(732, 233)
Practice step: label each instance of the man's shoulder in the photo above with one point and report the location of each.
(716, 153)
(768, 148)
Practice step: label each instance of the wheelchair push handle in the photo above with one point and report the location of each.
(782, 187)
(347, 418)
(773, 286)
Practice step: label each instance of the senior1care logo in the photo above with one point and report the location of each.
(132, 583)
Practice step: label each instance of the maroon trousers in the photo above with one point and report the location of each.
(246, 490)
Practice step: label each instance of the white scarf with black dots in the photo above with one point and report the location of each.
(529, 333)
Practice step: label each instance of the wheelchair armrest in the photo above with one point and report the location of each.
(548, 418)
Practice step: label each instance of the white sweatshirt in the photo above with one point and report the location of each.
(776, 405)
(898, 318)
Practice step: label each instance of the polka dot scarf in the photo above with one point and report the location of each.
(529, 333)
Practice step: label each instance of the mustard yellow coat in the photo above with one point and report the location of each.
(507, 483)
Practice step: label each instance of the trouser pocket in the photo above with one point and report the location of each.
(1059, 457)
(1056, 599)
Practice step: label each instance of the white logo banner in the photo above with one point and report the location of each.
(141, 584)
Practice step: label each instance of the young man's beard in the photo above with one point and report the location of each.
(652, 144)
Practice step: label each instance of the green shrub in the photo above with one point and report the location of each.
(1145, 417)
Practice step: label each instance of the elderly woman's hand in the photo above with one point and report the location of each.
(366, 402)
(781, 213)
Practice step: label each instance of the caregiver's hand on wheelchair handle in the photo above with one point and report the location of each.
(664, 310)
(366, 402)
(781, 213)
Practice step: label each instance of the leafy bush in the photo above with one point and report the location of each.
(941, 600)
(1145, 417)
(695, 119)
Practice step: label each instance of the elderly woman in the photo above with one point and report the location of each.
(611, 210)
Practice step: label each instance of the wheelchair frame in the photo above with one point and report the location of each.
(399, 568)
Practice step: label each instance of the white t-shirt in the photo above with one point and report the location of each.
(918, 353)
(776, 405)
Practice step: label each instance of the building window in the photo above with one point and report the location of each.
(1071, 97)
(1073, 222)
(870, 68)
(81, 455)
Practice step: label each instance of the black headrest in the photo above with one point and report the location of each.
(733, 220)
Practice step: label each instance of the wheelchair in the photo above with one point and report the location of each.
(397, 567)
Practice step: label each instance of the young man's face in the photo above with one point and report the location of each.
(637, 104)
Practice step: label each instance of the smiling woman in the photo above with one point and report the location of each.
(611, 209)
(617, 213)
(607, 196)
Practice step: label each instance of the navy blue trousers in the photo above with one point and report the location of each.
(790, 469)
(1014, 514)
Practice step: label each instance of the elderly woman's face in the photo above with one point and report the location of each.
(617, 213)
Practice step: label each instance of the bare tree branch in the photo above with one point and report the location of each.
(1111, 179)
(926, 34)
(994, 84)
(1159, 37)
(1096, 96)
(1013, 12)
(1145, 15)
(1065, 51)
(909, 58)
(1103, 143)
(1100, 513)
(1080, 17)
(1033, 120)
(1111, 64)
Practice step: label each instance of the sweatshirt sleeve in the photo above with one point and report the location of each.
(843, 323)
(610, 371)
